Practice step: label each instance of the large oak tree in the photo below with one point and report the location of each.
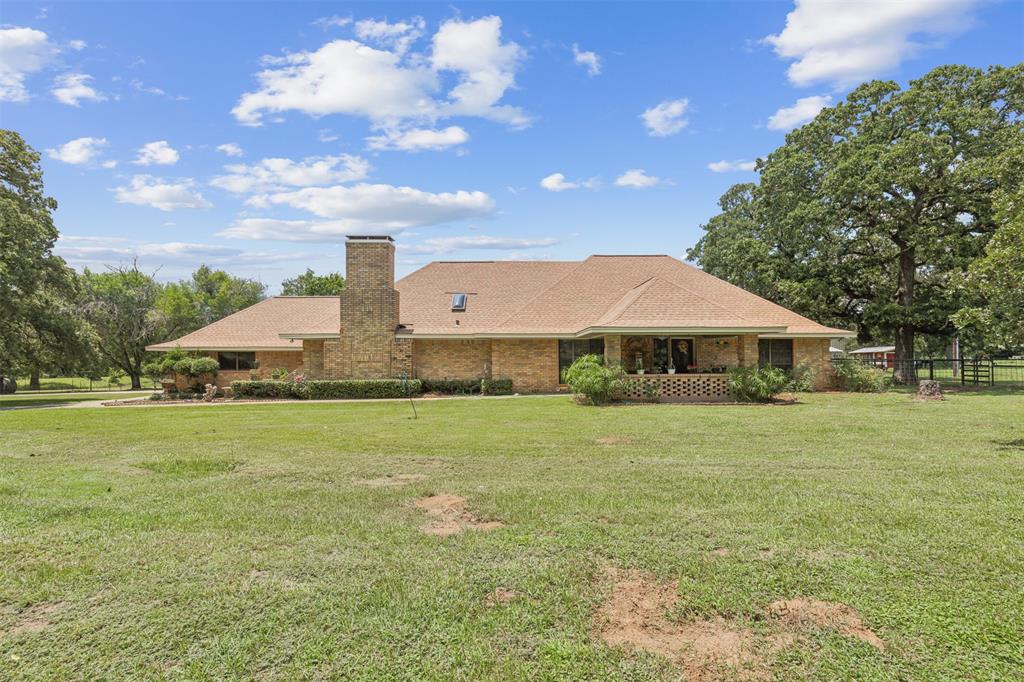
(871, 212)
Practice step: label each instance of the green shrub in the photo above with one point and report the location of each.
(326, 389)
(279, 374)
(801, 379)
(361, 388)
(854, 375)
(176, 362)
(452, 386)
(495, 386)
(757, 384)
(589, 377)
(267, 389)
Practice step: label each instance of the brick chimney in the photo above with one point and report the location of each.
(369, 308)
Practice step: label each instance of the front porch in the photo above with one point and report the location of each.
(680, 368)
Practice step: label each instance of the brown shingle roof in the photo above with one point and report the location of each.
(544, 298)
(259, 326)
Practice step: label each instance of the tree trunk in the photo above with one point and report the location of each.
(33, 380)
(904, 361)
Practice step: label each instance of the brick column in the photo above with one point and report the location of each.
(612, 350)
(747, 350)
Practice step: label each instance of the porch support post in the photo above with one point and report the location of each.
(747, 350)
(612, 350)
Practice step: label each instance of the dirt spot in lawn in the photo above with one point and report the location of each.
(451, 515)
(501, 595)
(36, 618)
(635, 616)
(392, 481)
(804, 612)
(720, 551)
(614, 440)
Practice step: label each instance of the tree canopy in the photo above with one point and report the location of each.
(867, 215)
(208, 296)
(33, 281)
(311, 284)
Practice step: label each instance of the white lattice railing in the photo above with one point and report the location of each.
(695, 387)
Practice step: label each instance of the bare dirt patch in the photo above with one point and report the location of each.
(635, 616)
(804, 612)
(392, 481)
(450, 515)
(614, 440)
(36, 618)
(500, 595)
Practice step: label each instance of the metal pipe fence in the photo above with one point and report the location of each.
(954, 371)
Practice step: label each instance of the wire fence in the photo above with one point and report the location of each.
(954, 371)
(81, 384)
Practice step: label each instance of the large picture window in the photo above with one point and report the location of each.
(570, 349)
(775, 352)
(235, 361)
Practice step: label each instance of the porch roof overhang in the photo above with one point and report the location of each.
(298, 336)
(591, 332)
(832, 334)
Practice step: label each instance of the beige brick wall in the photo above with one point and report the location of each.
(313, 358)
(451, 358)
(814, 353)
(531, 364)
(717, 351)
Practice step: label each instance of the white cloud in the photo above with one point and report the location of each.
(636, 178)
(333, 21)
(79, 151)
(846, 43)
(103, 251)
(146, 190)
(481, 242)
(804, 110)
(398, 37)
(23, 51)
(302, 230)
(590, 60)
(666, 118)
(381, 207)
(383, 85)
(71, 88)
(77, 45)
(487, 68)
(271, 175)
(109, 164)
(556, 182)
(724, 166)
(153, 90)
(417, 139)
(158, 153)
(231, 149)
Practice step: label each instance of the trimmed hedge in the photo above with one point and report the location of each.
(451, 386)
(467, 386)
(326, 389)
(495, 386)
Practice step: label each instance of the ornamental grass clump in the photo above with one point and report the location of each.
(589, 378)
(757, 385)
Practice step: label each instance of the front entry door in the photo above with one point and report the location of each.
(682, 353)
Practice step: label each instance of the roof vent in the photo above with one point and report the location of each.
(458, 303)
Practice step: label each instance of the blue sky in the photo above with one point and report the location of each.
(254, 136)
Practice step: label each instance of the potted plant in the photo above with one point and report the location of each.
(671, 365)
(639, 360)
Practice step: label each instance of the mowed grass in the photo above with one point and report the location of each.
(44, 399)
(237, 541)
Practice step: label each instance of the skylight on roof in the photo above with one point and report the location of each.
(458, 303)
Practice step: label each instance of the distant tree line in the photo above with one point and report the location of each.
(60, 322)
(898, 212)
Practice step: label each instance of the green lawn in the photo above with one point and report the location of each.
(242, 541)
(41, 399)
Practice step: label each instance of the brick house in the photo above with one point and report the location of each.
(522, 320)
